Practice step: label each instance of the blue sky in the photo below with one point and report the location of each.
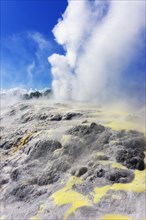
(27, 41)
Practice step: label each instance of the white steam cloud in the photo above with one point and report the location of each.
(99, 39)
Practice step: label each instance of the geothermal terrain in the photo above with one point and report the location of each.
(71, 161)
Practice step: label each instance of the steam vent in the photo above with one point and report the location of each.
(71, 162)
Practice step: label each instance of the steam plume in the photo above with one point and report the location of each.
(99, 39)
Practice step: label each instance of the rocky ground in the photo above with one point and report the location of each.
(71, 161)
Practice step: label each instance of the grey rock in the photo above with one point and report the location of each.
(42, 116)
(43, 166)
(62, 164)
(57, 117)
(83, 130)
(50, 178)
(81, 171)
(23, 107)
(12, 112)
(71, 115)
(22, 192)
(135, 142)
(42, 149)
(3, 180)
(15, 174)
(27, 117)
(6, 144)
(100, 173)
(131, 158)
(120, 176)
(36, 94)
(74, 148)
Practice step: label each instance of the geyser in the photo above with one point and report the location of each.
(100, 38)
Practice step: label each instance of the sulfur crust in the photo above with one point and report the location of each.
(123, 124)
(2, 217)
(99, 153)
(67, 195)
(137, 185)
(40, 211)
(116, 118)
(118, 165)
(115, 217)
(21, 142)
(113, 164)
(65, 139)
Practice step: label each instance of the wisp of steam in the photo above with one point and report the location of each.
(99, 39)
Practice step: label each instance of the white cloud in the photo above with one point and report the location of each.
(30, 73)
(14, 91)
(98, 46)
(39, 39)
(24, 60)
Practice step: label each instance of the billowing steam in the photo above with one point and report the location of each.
(99, 39)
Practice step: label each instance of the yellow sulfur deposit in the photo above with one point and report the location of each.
(22, 142)
(65, 138)
(118, 165)
(137, 185)
(2, 217)
(115, 217)
(38, 215)
(117, 118)
(120, 124)
(57, 152)
(99, 153)
(145, 157)
(99, 193)
(113, 164)
(67, 195)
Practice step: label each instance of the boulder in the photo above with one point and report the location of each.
(43, 148)
(119, 176)
(49, 178)
(84, 130)
(57, 117)
(131, 158)
(71, 115)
